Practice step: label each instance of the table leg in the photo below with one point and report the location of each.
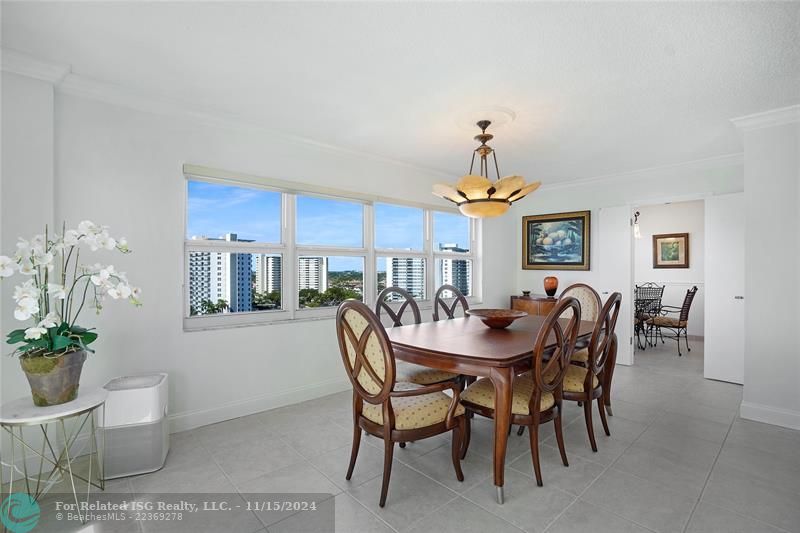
(502, 379)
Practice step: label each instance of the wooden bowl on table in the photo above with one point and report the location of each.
(497, 318)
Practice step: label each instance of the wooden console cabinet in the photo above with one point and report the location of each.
(535, 304)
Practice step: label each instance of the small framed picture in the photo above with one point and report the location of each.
(671, 250)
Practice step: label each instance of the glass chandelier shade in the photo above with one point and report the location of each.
(475, 194)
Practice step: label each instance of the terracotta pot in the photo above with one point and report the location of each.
(550, 285)
(54, 380)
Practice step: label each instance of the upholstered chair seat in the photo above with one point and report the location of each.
(413, 412)
(422, 375)
(581, 356)
(482, 393)
(576, 377)
(667, 321)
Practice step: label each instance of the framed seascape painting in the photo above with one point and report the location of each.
(558, 241)
(671, 250)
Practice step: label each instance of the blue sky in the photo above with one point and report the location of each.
(215, 210)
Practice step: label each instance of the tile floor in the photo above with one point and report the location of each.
(679, 460)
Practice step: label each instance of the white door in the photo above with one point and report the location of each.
(614, 258)
(724, 284)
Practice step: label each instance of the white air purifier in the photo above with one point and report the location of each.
(135, 425)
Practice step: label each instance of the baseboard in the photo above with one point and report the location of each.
(770, 415)
(696, 338)
(203, 417)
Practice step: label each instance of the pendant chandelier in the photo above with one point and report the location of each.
(476, 195)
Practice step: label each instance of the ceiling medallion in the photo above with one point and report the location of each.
(475, 195)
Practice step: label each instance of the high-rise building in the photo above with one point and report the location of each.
(312, 273)
(218, 276)
(456, 272)
(407, 273)
(268, 273)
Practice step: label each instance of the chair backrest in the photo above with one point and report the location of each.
(687, 303)
(366, 351)
(602, 335)
(648, 298)
(408, 303)
(588, 298)
(449, 309)
(549, 374)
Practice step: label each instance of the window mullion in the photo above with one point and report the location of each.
(370, 285)
(289, 275)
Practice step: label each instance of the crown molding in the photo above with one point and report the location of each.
(721, 161)
(24, 65)
(766, 119)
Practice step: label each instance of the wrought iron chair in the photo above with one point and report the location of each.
(382, 406)
(647, 305)
(676, 324)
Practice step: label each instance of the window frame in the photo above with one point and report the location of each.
(290, 251)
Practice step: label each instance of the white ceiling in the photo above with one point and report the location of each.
(597, 88)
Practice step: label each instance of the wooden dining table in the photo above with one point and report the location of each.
(467, 346)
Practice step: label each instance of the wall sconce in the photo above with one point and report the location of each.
(637, 234)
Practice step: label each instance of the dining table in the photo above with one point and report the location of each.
(467, 346)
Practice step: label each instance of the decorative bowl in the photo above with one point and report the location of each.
(497, 318)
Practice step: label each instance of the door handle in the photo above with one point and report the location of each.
(738, 297)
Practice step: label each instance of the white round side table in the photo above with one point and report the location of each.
(19, 414)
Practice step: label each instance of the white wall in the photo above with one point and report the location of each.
(674, 217)
(772, 267)
(26, 188)
(123, 167)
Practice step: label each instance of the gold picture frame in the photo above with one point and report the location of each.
(557, 241)
(671, 250)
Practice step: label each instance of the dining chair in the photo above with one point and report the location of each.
(586, 383)
(409, 372)
(647, 304)
(537, 394)
(421, 375)
(384, 407)
(439, 301)
(590, 308)
(449, 309)
(676, 324)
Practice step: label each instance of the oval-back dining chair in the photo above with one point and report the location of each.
(391, 410)
(590, 309)
(410, 372)
(397, 316)
(537, 394)
(449, 309)
(585, 383)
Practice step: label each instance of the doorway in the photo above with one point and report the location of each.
(669, 283)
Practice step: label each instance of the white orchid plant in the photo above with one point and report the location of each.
(58, 287)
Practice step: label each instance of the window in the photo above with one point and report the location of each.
(245, 213)
(249, 245)
(326, 222)
(399, 227)
(233, 245)
(451, 233)
(327, 281)
(455, 272)
(408, 273)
